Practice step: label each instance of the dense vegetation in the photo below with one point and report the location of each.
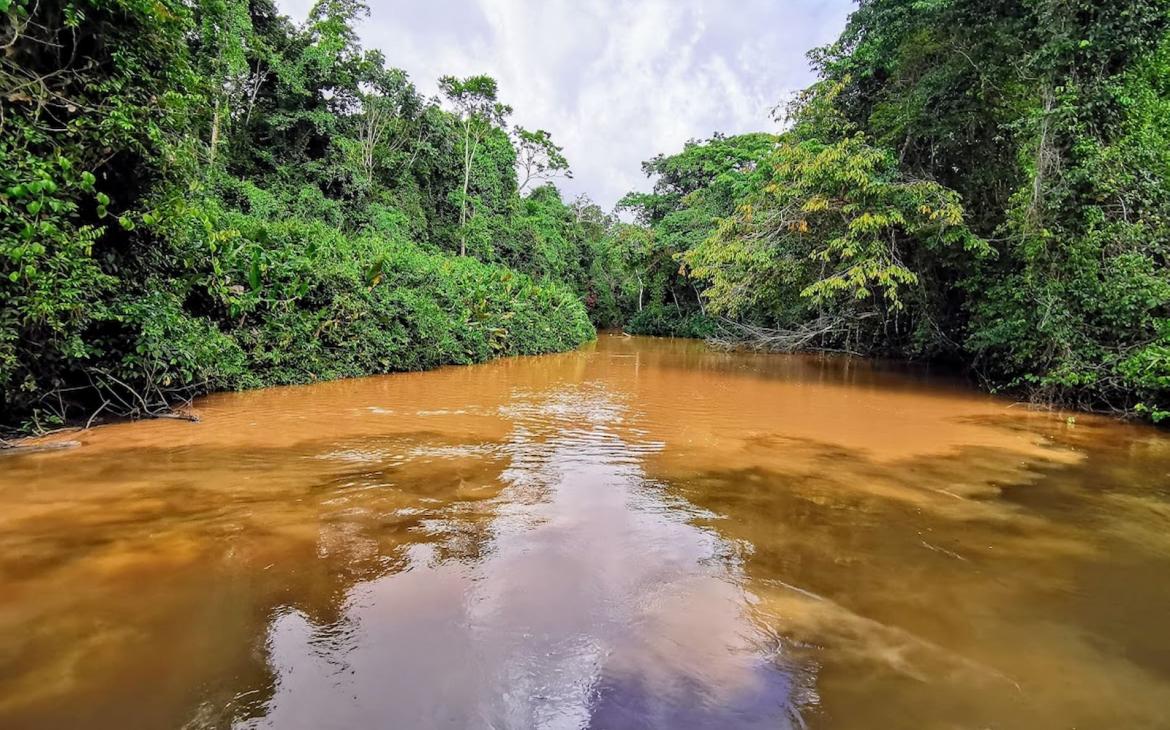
(979, 182)
(200, 194)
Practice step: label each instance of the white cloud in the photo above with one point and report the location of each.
(614, 81)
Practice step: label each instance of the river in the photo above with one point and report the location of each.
(642, 533)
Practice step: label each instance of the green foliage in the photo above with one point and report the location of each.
(693, 191)
(984, 182)
(480, 115)
(540, 159)
(664, 321)
(206, 196)
(711, 174)
(93, 103)
(1049, 120)
(306, 302)
(832, 227)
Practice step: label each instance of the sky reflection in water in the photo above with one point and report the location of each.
(641, 534)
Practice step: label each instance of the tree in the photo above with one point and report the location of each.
(388, 122)
(475, 102)
(833, 233)
(693, 190)
(225, 31)
(538, 159)
(587, 211)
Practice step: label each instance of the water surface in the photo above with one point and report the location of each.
(644, 533)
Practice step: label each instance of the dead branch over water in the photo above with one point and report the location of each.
(828, 333)
(107, 398)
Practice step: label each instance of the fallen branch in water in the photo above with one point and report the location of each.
(178, 416)
(125, 401)
(18, 445)
(117, 400)
(823, 334)
(10, 449)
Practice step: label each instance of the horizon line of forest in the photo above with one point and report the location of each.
(201, 195)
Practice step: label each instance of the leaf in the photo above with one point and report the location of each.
(254, 272)
(375, 274)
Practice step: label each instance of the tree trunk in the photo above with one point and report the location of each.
(467, 158)
(1046, 156)
(214, 131)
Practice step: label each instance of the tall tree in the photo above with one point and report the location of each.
(225, 33)
(538, 159)
(479, 111)
(388, 124)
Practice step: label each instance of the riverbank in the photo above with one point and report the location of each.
(421, 310)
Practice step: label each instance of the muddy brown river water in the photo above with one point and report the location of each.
(643, 533)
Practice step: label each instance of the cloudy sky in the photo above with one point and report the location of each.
(614, 81)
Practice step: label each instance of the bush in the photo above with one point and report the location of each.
(261, 302)
(352, 306)
(666, 321)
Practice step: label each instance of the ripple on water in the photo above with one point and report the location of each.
(640, 534)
